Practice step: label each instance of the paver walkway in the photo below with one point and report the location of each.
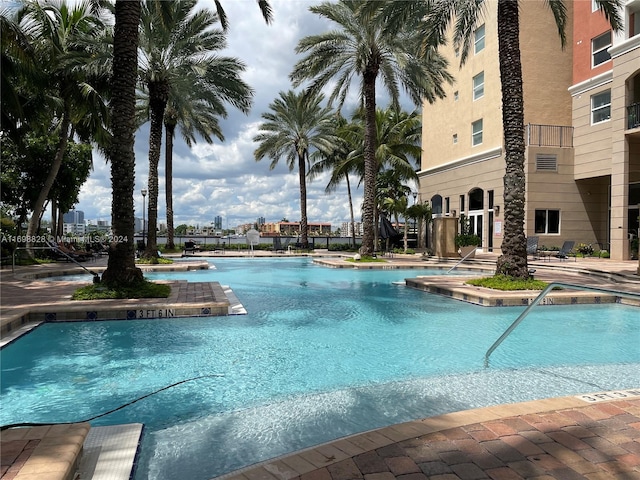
(550, 439)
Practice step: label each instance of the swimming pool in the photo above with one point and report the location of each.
(322, 353)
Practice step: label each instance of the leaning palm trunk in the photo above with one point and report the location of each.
(304, 228)
(121, 268)
(34, 222)
(158, 96)
(513, 261)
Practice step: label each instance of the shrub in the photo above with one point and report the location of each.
(585, 250)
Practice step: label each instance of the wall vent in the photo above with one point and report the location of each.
(546, 162)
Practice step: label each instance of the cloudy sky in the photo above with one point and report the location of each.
(223, 178)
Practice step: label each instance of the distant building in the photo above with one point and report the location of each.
(217, 223)
(73, 216)
(346, 229)
(292, 229)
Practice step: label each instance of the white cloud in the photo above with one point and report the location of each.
(223, 178)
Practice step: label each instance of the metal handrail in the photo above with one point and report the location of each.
(539, 298)
(96, 276)
(462, 260)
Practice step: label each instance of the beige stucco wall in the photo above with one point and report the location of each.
(446, 117)
(546, 66)
(592, 142)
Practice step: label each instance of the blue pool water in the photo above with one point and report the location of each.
(322, 353)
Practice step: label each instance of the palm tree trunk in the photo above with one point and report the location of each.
(121, 268)
(158, 96)
(168, 180)
(353, 218)
(513, 261)
(34, 221)
(370, 167)
(304, 228)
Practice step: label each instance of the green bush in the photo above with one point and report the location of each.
(505, 283)
(465, 240)
(144, 289)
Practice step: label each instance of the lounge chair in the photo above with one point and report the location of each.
(532, 246)
(190, 248)
(566, 249)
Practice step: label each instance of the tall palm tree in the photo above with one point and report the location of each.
(296, 125)
(196, 103)
(178, 43)
(62, 36)
(341, 161)
(513, 261)
(121, 267)
(363, 47)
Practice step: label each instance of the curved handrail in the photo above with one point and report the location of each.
(539, 298)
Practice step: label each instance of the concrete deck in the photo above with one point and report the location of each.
(595, 436)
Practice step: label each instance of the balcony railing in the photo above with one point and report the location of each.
(633, 116)
(550, 135)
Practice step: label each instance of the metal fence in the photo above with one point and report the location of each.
(550, 135)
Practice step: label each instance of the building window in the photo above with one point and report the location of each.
(594, 6)
(478, 39)
(478, 86)
(599, 48)
(548, 221)
(455, 96)
(476, 132)
(455, 138)
(447, 205)
(457, 52)
(461, 203)
(601, 107)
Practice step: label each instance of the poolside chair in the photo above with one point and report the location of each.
(532, 247)
(566, 249)
(190, 247)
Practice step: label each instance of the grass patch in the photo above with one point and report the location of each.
(366, 259)
(502, 282)
(154, 261)
(144, 289)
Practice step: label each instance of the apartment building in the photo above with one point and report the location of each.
(606, 118)
(574, 190)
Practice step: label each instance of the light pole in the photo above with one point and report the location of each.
(144, 194)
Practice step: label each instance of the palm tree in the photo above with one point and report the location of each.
(121, 267)
(176, 43)
(513, 261)
(421, 212)
(61, 37)
(196, 103)
(341, 161)
(364, 47)
(296, 125)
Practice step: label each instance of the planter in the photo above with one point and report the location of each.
(469, 250)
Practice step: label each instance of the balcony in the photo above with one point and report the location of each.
(550, 135)
(633, 116)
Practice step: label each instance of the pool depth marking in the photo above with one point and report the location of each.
(611, 395)
(156, 313)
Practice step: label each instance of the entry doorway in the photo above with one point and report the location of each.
(476, 222)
